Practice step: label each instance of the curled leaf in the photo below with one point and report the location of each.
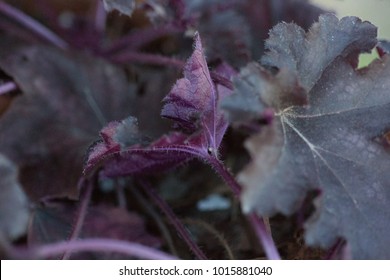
(192, 104)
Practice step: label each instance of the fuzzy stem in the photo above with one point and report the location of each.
(7, 87)
(265, 238)
(217, 78)
(145, 204)
(101, 245)
(81, 214)
(208, 227)
(173, 219)
(33, 25)
(225, 174)
(257, 223)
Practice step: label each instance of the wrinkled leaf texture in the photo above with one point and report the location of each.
(334, 143)
(193, 106)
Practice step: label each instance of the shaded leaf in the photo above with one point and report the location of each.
(53, 222)
(67, 98)
(14, 212)
(232, 29)
(331, 143)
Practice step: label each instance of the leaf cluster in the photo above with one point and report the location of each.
(109, 116)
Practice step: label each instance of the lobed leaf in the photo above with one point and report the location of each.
(332, 143)
(308, 54)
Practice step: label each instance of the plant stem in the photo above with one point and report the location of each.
(100, 17)
(264, 237)
(208, 227)
(33, 25)
(145, 204)
(81, 213)
(7, 87)
(257, 223)
(217, 78)
(173, 219)
(225, 174)
(101, 245)
(334, 251)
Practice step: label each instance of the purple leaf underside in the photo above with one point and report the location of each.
(122, 151)
(335, 143)
(193, 106)
(193, 101)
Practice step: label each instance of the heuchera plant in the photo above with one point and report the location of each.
(316, 129)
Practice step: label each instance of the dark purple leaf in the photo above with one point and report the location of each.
(14, 212)
(231, 29)
(122, 151)
(66, 99)
(53, 222)
(192, 104)
(193, 101)
(331, 143)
